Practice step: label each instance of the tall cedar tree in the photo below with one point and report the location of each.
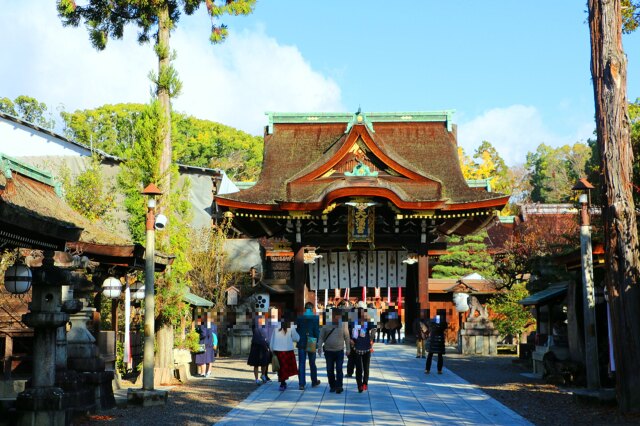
(154, 19)
(609, 73)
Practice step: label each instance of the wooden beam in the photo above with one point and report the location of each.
(299, 280)
(423, 276)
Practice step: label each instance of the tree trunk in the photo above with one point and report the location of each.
(164, 354)
(164, 62)
(609, 72)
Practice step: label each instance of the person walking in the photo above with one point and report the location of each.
(393, 325)
(260, 353)
(281, 344)
(421, 332)
(208, 340)
(362, 334)
(436, 343)
(382, 326)
(334, 338)
(308, 327)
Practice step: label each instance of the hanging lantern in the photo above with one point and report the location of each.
(17, 279)
(461, 300)
(137, 290)
(111, 288)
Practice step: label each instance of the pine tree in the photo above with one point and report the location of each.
(465, 256)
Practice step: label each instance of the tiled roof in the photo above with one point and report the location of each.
(446, 285)
(295, 150)
(26, 201)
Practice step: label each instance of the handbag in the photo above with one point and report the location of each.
(311, 344)
(201, 349)
(275, 364)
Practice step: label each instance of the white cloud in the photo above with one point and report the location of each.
(514, 131)
(234, 83)
(237, 82)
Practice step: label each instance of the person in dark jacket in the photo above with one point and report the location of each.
(260, 353)
(362, 333)
(436, 342)
(308, 327)
(208, 338)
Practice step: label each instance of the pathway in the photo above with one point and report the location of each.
(399, 394)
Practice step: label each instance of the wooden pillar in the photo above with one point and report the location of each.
(299, 280)
(423, 276)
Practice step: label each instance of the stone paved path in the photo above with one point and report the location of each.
(399, 394)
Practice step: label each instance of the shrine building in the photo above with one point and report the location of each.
(355, 204)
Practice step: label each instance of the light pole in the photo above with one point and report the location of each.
(588, 293)
(149, 296)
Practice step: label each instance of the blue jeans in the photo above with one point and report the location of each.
(302, 356)
(334, 359)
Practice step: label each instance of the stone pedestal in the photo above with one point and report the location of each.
(240, 340)
(147, 398)
(479, 338)
(182, 362)
(41, 406)
(83, 357)
(43, 402)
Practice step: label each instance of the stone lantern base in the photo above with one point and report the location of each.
(479, 338)
(147, 398)
(41, 406)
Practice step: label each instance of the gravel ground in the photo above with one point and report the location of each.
(206, 401)
(201, 402)
(542, 404)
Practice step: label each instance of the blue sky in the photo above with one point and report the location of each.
(517, 73)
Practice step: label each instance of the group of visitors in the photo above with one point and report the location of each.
(338, 337)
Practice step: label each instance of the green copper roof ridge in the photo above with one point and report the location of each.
(43, 176)
(370, 117)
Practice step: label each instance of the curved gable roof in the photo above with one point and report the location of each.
(300, 159)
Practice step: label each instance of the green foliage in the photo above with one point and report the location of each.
(121, 366)
(107, 19)
(465, 256)
(487, 163)
(110, 128)
(28, 109)
(190, 342)
(554, 171)
(206, 255)
(167, 80)
(87, 192)
(630, 15)
(207, 144)
(140, 169)
(196, 142)
(510, 317)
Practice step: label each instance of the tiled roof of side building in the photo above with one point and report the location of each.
(24, 194)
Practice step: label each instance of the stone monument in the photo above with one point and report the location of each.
(478, 334)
